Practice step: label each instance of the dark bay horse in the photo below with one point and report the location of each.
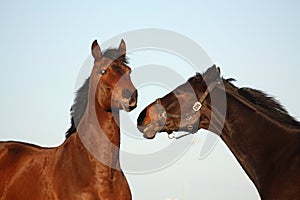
(261, 134)
(86, 165)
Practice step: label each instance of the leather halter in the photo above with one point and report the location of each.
(188, 117)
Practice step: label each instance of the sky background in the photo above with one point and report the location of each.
(44, 45)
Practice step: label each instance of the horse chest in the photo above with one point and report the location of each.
(116, 187)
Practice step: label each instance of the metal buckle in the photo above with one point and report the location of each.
(197, 106)
(171, 136)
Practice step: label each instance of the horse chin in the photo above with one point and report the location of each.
(191, 129)
(149, 134)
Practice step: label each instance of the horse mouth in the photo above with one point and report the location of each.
(149, 134)
(125, 106)
(148, 131)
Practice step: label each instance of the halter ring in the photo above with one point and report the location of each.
(171, 136)
(197, 106)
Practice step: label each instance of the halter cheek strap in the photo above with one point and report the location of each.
(196, 107)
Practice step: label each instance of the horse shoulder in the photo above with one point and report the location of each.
(286, 177)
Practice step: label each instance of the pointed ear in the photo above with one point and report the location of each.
(122, 48)
(96, 51)
(212, 73)
(198, 75)
(213, 68)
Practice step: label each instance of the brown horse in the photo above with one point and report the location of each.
(261, 134)
(86, 165)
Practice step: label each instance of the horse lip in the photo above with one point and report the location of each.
(146, 128)
(132, 107)
(149, 136)
(127, 107)
(147, 132)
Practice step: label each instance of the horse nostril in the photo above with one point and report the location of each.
(126, 93)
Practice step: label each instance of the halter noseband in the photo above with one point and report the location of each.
(188, 117)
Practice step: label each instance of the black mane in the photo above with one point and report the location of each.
(79, 106)
(81, 99)
(270, 106)
(266, 104)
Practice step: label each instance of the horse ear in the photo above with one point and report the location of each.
(212, 73)
(219, 70)
(198, 75)
(122, 48)
(96, 51)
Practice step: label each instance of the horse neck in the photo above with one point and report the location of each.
(99, 130)
(254, 139)
(97, 120)
(74, 157)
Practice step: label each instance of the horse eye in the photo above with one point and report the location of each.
(102, 72)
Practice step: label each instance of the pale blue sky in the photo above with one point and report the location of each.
(44, 44)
